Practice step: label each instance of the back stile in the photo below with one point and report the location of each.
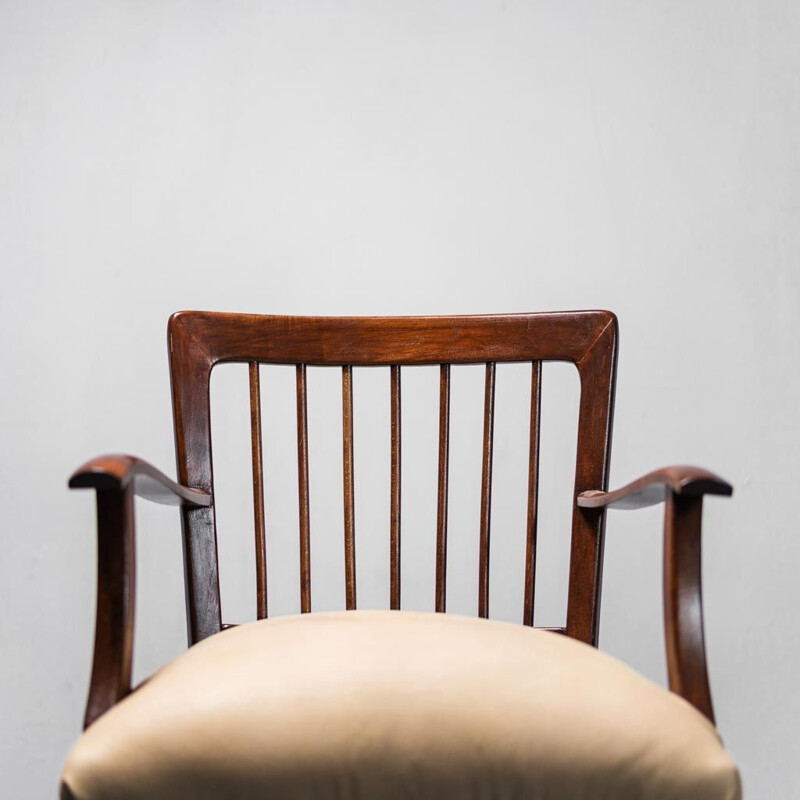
(347, 472)
(533, 492)
(302, 487)
(486, 491)
(441, 514)
(394, 535)
(258, 491)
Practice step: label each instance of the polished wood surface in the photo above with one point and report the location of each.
(373, 341)
(116, 600)
(683, 602)
(533, 492)
(597, 369)
(302, 493)
(200, 340)
(190, 374)
(656, 487)
(486, 491)
(681, 489)
(349, 501)
(395, 490)
(441, 505)
(119, 471)
(257, 460)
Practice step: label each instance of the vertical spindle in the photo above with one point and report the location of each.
(441, 511)
(394, 534)
(302, 487)
(533, 492)
(257, 456)
(349, 503)
(486, 491)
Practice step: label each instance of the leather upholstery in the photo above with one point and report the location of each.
(395, 704)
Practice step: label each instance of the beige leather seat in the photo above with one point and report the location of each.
(395, 704)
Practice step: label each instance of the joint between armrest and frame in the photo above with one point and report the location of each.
(656, 486)
(120, 471)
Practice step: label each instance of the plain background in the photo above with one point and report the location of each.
(388, 158)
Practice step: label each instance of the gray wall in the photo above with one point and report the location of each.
(389, 158)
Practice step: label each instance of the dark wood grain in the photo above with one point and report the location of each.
(349, 502)
(190, 374)
(257, 460)
(373, 341)
(533, 493)
(116, 601)
(302, 491)
(597, 369)
(656, 486)
(118, 471)
(198, 341)
(683, 602)
(441, 506)
(395, 490)
(486, 491)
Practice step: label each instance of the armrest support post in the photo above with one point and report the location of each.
(116, 581)
(683, 602)
(117, 479)
(681, 489)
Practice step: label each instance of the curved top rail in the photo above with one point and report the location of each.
(363, 341)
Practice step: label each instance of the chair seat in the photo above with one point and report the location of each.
(396, 704)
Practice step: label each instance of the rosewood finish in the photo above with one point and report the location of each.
(118, 472)
(200, 340)
(394, 535)
(349, 502)
(444, 468)
(533, 491)
(656, 486)
(257, 453)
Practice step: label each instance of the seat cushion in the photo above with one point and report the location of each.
(396, 704)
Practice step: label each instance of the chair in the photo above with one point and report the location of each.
(395, 703)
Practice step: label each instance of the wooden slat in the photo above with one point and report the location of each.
(258, 491)
(349, 503)
(441, 513)
(302, 491)
(394, 535)
(486, 491)
(533, 492)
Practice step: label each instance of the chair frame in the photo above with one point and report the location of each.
(200, 340)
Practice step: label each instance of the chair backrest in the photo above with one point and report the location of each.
(200, 340)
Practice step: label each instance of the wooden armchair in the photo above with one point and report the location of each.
(394, 703)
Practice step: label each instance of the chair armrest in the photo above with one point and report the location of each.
(682, 489)
(121, 471)
(117, 479)
(655, 487)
